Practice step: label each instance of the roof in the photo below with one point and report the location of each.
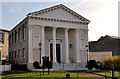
(4, 30)
(56, 7)
(113, 37)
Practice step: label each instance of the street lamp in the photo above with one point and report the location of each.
(40, 46)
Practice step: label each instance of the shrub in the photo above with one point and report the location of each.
(91, 64)
(109, 62)
(50, 64)
(36, 65)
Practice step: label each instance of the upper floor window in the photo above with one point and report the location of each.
(82, 44)
(9, 40)
(12, 55)
(18, 34)
(12, 38)
(15, 36)
(18, 53)
(15, 54)
(36, 41)
(23, 54)
(23, 32)
(1, 37)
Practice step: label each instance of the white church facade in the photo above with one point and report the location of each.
(62, 32)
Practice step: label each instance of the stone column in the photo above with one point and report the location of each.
(43, 41)
(86, 34)
(54, 44)
(77, 46)
(30, 48)
(66, 46)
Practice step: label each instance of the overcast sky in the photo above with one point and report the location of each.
(103, 14)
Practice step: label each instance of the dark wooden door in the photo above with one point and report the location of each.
(58, 53)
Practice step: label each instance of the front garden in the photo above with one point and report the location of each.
(39, 75)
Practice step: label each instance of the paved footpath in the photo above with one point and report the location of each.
(93, 75)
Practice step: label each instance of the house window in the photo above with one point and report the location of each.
(15, 36)
(82, 44)
(18, 34)
(15, 54)
(12, 38)
(1, 37)
(36, 41)
(23, 54)
(12, 55)
(18, 53)
(9, 40)
(23, 32)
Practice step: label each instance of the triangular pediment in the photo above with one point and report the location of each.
(58, 12)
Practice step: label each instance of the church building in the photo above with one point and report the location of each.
(62, 33)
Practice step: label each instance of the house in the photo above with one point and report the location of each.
(106, 43)
(62, 32)
(3, 44)
(99, 56)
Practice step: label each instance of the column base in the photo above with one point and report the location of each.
(30, 66)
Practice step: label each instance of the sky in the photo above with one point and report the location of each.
(103, 14)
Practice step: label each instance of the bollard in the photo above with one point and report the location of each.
(67, 75)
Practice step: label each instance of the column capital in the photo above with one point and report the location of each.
(86, 30)
(55, 28)
(42, 26)
(30, 27)
(77, 29)
(66, 28)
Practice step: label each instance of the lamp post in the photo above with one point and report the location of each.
(40, 45)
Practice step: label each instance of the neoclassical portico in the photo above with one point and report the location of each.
(63, 34)
(54, 39)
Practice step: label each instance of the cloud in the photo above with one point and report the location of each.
(17, 9)
(79, 4)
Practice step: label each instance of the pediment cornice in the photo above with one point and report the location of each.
(57, 7)
(59, 20)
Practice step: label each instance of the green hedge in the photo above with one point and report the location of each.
(91, 64)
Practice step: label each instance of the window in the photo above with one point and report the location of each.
(18, 53)
(82, 44)
(36, 41)
(12, 38)
(1, 37)
(9, 40)
(18, 34)
(15, 36)
(23, 32)
(15, 54)
(12, 55)
(23, 54)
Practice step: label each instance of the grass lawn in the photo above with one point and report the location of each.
(38, 75)
(106, 72)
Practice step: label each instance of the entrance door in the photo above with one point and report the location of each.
(58, 53)
(51, 52)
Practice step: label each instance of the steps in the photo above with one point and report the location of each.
(68, 67)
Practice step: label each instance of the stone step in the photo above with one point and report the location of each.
(67, 66)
